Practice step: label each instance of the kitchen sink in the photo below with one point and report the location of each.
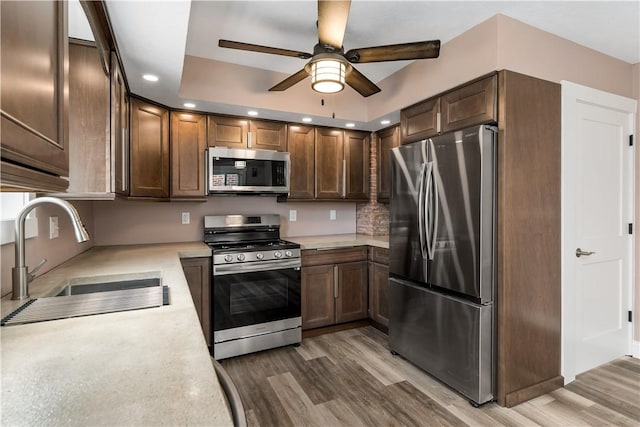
(79, 289)
(86, 296)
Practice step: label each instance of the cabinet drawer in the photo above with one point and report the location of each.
(333, 256)
(470, 105)
(379, 255)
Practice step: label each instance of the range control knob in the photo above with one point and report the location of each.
(259, 255)
(277, 254)
(228, 258)
(288, 253)
(240, 257)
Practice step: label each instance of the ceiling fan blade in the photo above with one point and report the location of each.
(290, 81)
(360, 83)
(332, 21)
(263, 49)
(395, 52)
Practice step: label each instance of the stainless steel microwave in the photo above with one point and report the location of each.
(240, 171)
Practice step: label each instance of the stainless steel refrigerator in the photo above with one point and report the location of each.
(442, 273)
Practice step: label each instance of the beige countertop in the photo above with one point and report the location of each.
(142, 367)
(339, 241)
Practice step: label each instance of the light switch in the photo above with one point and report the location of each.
(293, 215)
(54, 231)
(332, 214)
(186, 218)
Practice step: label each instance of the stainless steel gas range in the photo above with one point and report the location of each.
(256, 301)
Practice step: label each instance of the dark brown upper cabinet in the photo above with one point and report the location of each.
(34, 121)
(420, 120)
(472, 104)
(119, 127)
(188, 145)
(342, 164)
(149, 151)
(89, 125)
(301, 144)
(386, 140)
(238, 132)
(357, 146)
(330, 163)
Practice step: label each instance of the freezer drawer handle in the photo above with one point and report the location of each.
(580, 252)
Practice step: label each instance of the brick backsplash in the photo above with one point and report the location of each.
(372, 218)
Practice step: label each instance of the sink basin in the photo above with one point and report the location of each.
(120, 285)
(86, 296)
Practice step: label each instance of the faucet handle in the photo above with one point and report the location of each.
(32, 274)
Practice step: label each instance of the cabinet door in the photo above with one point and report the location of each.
(420, 121)
(330, 164)
(120, 127)
(89, 122)
(267, 135)
(188, 144)
(318, 308)
(197, 271)
(301, 144)
(149, 150)
(351, 300)
(229, 132)
(470, 105)
(379, 293)
(34, 85)
(357, 153)
(387, 139)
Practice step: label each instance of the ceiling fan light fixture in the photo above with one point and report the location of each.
(327, 75)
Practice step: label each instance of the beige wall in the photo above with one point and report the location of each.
(56, 251)
(124, 222)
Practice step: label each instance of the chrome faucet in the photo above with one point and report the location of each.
(20, 273)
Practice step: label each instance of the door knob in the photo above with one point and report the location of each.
(580, 252)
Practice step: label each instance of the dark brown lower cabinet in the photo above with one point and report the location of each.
(197, 271)
(334, 291)
(379, 286)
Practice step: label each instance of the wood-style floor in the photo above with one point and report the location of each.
(350, 378)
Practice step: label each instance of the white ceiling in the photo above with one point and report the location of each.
(154, 36)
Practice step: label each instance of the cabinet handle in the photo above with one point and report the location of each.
(344, 178)
(249, 140)
(438, 123)
(124, 162)
(335, 282)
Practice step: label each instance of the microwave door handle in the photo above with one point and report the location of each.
(421, 211)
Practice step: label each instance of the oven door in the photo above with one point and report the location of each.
(246, 294)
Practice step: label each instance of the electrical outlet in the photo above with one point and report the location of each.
(186, 218)
(332, 214)
(293, 215)
(54, 230)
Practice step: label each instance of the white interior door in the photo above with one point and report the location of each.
(597, 208)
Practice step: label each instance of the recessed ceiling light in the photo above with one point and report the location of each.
(150, 78)
(307, 119)
(252, 113)
(189, 105)
(385, 122)
(350, 125)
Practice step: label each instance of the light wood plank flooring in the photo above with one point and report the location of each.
(350, 378)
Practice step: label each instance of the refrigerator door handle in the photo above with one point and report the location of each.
(426, 206)
(432, 227)
(421, 211)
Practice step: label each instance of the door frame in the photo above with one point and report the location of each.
(572, 94)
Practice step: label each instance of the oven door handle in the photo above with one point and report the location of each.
(250, 267)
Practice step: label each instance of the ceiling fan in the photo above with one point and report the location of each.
(329, 66)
